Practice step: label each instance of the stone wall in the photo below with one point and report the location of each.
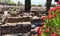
(15, 29)
(14, 20)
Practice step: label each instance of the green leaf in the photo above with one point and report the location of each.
(44, 34)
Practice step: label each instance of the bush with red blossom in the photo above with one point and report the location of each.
(51, 24)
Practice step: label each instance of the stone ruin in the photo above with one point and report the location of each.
(12, 24)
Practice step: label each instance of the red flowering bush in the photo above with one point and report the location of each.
(51, 24)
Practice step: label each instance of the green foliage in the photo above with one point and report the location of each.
(33, 5)
(27, 5)
(53, 5)
(11, 2)
(14, 9)
(5, 1)
(40, 5)
(44, 34)
(45, 4)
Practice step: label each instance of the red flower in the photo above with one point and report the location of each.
(47, 30)
(32, 35)
(53, 16)
(39, 31)
(43, 17)
(49, 16)
(50, 11)
(38, 28)
(54, 34)
(57, 7)
(51, 35)
(54, 9)
(59, 2)
(42, 24)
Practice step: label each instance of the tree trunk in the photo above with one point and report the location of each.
(27, 5)
(48, 6)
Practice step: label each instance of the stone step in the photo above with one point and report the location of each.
(14, 24)
(15, 29)
(1, 12)
(15, 20)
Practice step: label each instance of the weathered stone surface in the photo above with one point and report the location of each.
(1, 12)
(15, 29)
(14, 20)
(0, 18)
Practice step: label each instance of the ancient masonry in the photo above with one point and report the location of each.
(12, 23)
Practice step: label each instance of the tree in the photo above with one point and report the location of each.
(53, 5)
(5, 1)
(11, 2)
(18, 3)
(40, 5)
(56, 0)
(33, 5)
(48, 6)
(27, 5)
(45, 4)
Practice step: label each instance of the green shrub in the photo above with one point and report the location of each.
(11, 2)
(53, 5)
(40, 5)
(14, 9)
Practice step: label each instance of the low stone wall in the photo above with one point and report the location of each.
(15, 29)
(1, 12)
(0, 18)
(13, 15)
(14, 20)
